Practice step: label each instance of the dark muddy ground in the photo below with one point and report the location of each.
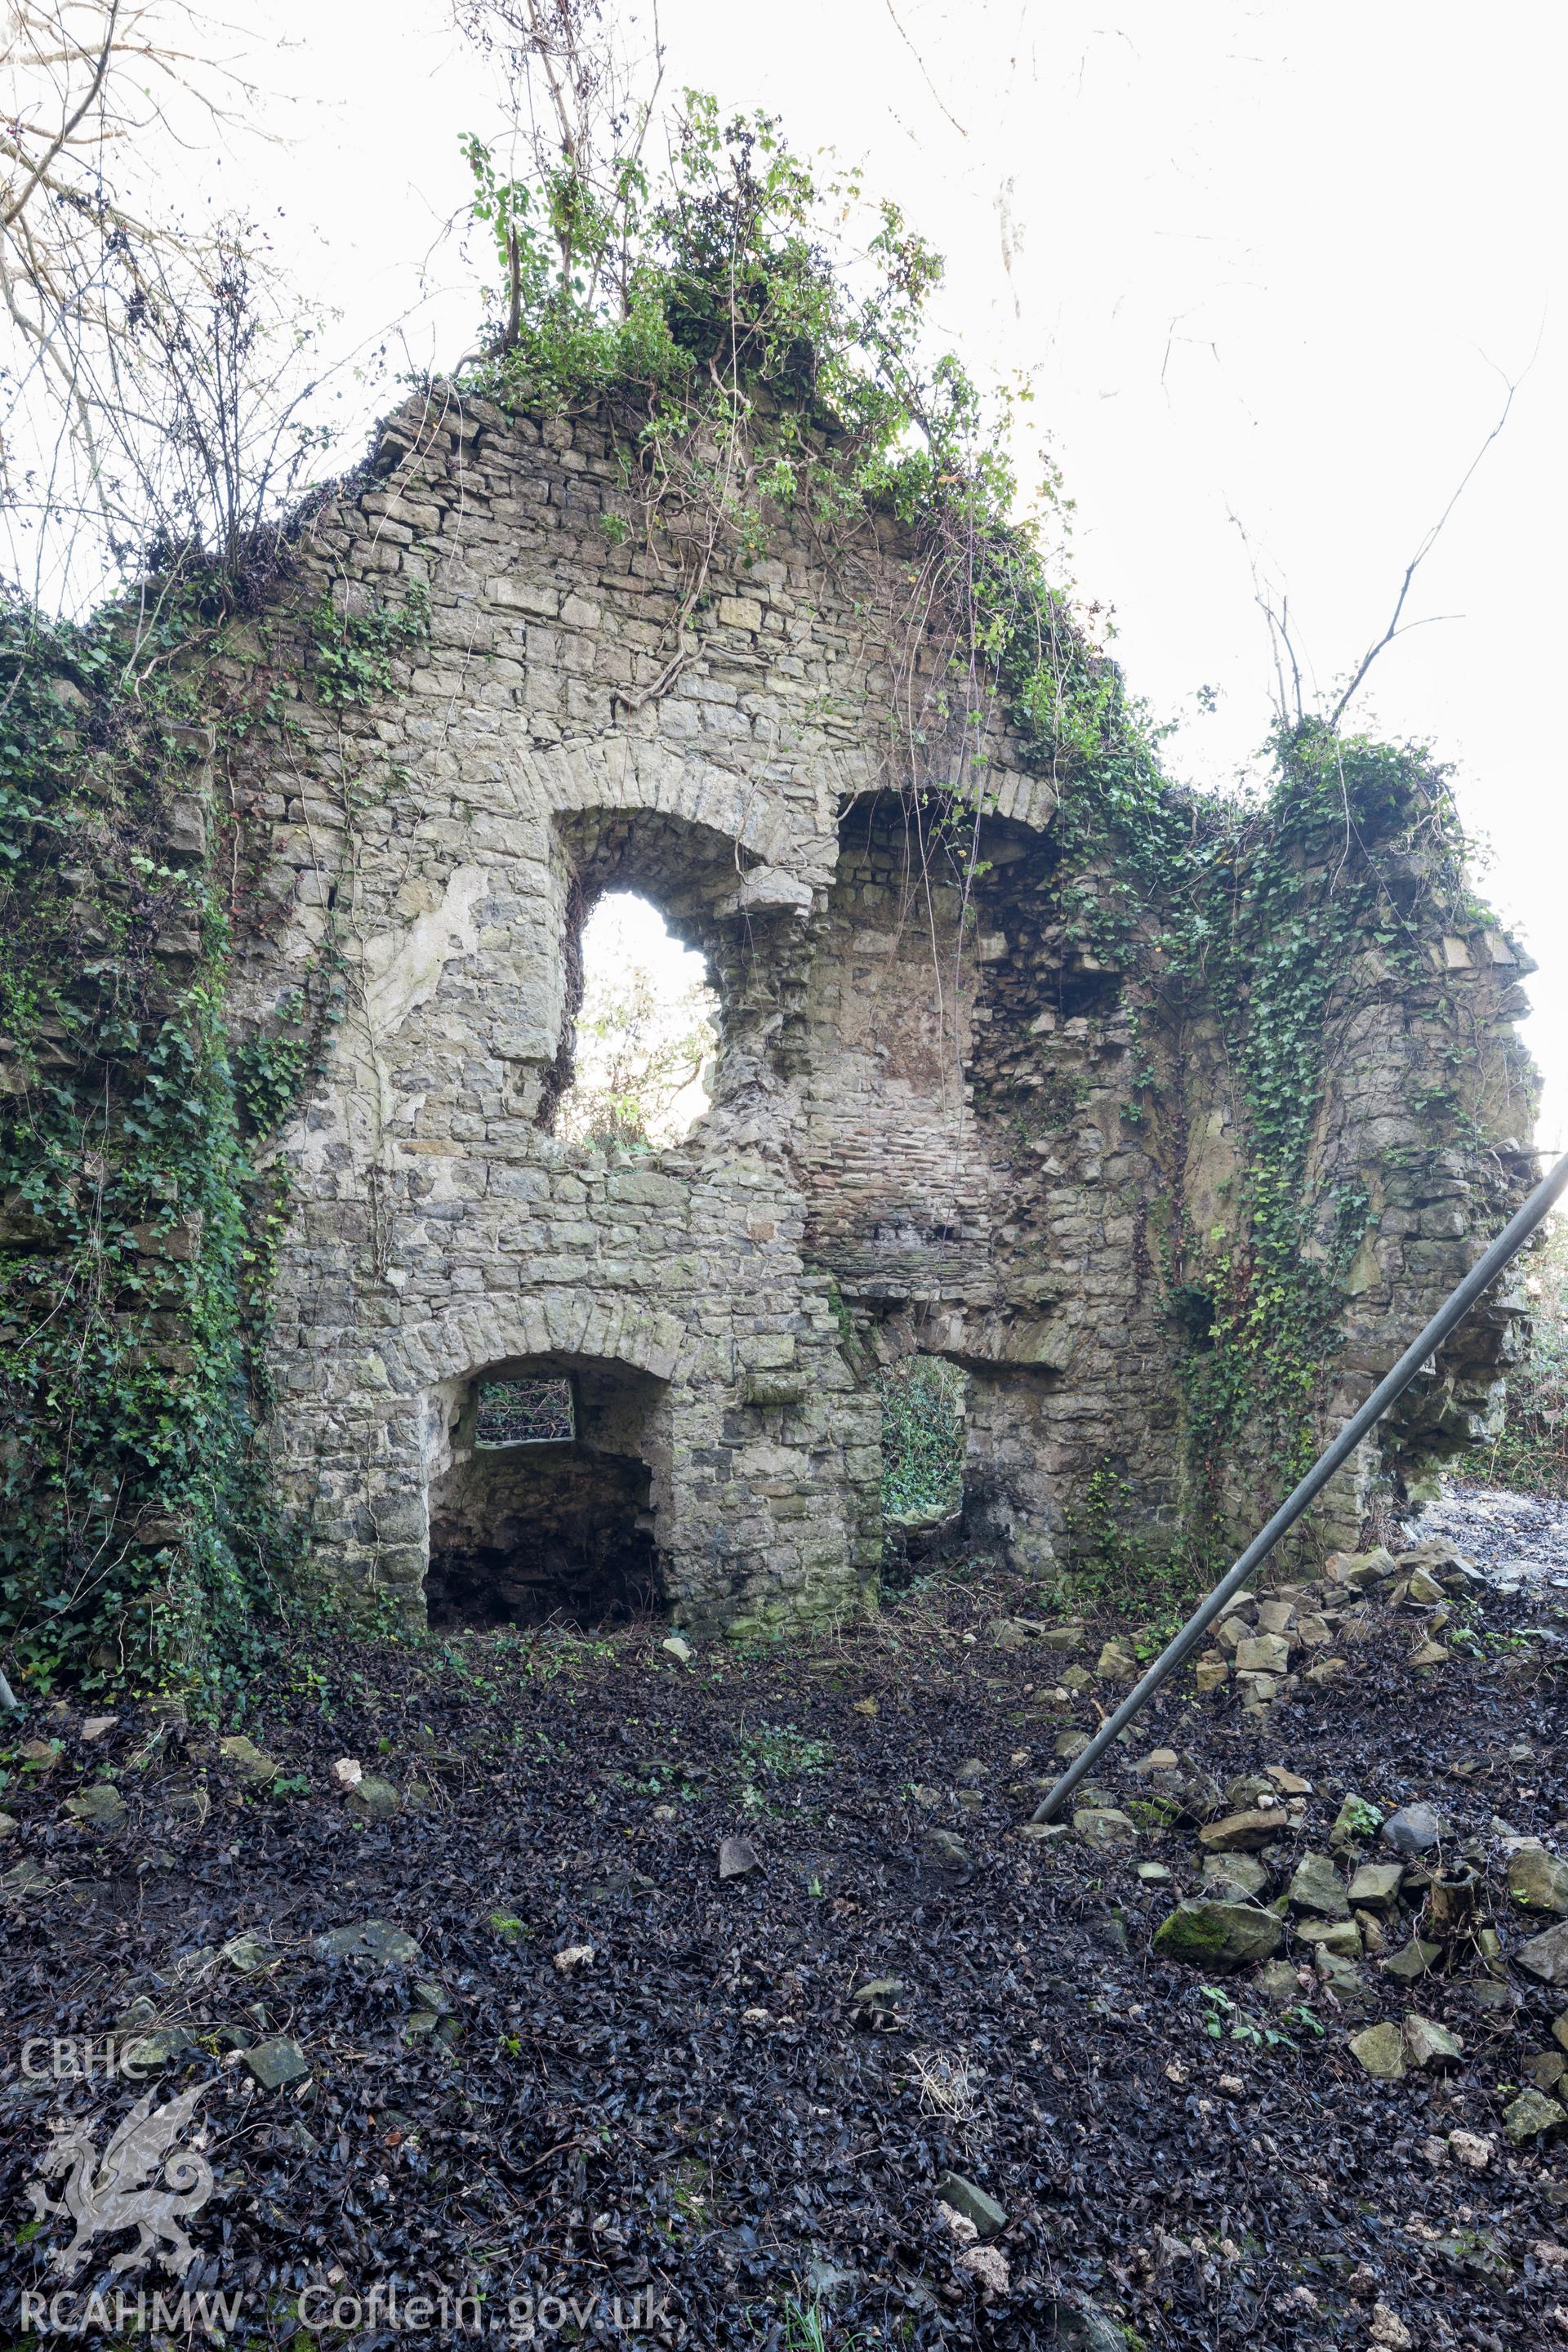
(609, 2077)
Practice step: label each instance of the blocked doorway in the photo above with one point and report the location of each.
(546, 1513)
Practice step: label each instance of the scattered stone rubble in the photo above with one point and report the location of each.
(1396, 1894)
(1423, 1938)
(1301, 1631)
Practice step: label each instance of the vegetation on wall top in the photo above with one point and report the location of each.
(752, 379)
(752, 382)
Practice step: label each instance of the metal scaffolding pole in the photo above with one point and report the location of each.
(1506, 1247)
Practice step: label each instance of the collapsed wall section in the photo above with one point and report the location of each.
(980, 1185)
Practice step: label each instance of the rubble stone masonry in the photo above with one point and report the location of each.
(919, 1137)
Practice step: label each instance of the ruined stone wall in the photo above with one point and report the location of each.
(1409, 1063)
(975, 1186)
(1420, 1144)
(449, 838)
(922, 1133)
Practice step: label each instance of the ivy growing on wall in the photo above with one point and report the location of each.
(750, 380)
(750, 383)
(1252, 914)
(355, 650)
(126, 1469)
(139, 1216)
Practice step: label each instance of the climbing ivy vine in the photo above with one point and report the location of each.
(140, 1215)
(355, 650)
(751, 381)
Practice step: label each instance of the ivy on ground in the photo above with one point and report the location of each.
(922, 1438)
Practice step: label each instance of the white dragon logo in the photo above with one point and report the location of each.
(118, 2192)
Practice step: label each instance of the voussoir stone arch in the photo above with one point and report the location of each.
(490, 1330)
(1006, 792)
(758, 811)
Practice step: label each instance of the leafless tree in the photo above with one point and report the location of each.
(581, 92)
(1289, 702)
(152, 374)
(1397, 625)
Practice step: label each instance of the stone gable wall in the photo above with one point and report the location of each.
(918, 1138)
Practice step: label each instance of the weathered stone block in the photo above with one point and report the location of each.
(518, 595)
(1211, 1934)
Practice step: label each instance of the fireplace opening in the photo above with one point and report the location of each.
(546, 1513)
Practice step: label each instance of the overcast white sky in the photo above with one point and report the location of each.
(1264, 262)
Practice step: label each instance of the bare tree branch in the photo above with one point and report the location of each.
(1417, 559)
(17, 200)
(1288, 709)
(152, 373)
(919, 61)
